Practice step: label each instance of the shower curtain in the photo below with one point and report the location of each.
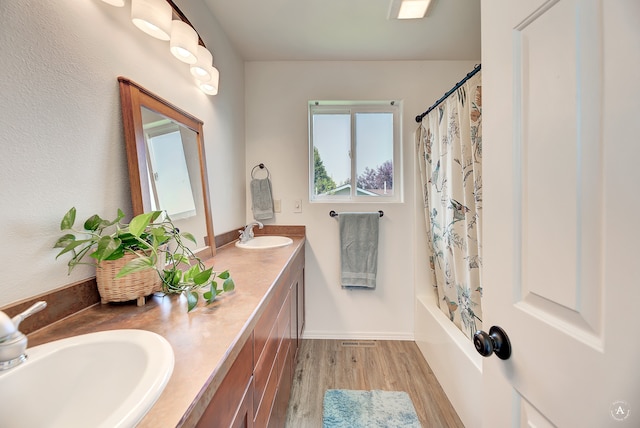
(449, 146)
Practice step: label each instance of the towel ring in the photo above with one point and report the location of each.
(261, 166)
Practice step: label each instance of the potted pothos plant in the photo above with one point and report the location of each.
(149, 242)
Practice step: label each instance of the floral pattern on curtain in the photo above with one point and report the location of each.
(449, 146)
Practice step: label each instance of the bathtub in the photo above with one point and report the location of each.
(453, 359)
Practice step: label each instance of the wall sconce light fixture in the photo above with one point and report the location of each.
(163, 20)
(153, 17)
(201, 70)
(184, 42)
(210, 87)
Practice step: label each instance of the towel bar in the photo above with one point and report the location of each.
(332, 213)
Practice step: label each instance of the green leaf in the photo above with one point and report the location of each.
(136, 265)
(211, 294)
(106, 246)
(191, 272)
(139, 223)
(228, 284)
(177, 277)
(180, 258)
(188, 236)
(120, 216)
(71, 246)
(192, 299)
(118, 253)
(93, 222)
(202, 277)
(224, 275)
(155, 215)
(68, 219)
(64, 241)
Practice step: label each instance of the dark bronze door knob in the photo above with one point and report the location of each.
(496, 342)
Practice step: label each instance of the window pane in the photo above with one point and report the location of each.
(374, 153)
(331, 145)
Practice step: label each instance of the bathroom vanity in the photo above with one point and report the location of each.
(234, 358)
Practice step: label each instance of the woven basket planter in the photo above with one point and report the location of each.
(135, 286)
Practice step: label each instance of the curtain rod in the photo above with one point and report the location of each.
(444, 97)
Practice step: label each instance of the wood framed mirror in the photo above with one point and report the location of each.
(166, 160)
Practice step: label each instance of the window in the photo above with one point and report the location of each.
(354, 142)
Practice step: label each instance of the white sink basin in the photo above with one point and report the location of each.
(105, 379)
(265, 242)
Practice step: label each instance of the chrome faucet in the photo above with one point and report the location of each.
(247, 233)
(13, 343)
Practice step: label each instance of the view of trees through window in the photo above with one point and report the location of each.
(372, 179)
(352, 145)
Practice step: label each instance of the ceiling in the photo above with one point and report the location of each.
(344, 30)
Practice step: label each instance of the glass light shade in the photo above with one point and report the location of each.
(201, 70)
(153, 17)
(211, 87)
(184, 42)
(117, 3)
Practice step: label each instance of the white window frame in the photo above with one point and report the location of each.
(352, 108)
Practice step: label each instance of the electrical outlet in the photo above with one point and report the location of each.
(277, 205)
(297, 206)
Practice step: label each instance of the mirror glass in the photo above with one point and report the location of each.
(167, 169)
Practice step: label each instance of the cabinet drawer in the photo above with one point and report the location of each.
(244, 413)
(284, 359)
(284, 318)
(281, 402)
(263, 411)
(264, 366)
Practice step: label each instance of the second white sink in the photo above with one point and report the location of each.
(104, 379)
(264, 242)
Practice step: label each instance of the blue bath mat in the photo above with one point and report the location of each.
(344, 408)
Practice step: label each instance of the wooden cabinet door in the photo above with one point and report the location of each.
(229, 399)
(244, 415)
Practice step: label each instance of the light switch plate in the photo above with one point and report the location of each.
(277, 205)
(297, 206)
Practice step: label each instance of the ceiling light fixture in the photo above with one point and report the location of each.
(409, 9)
(153, 17)
(117, 3)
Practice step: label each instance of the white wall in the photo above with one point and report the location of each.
(276, 134)
(61, 129)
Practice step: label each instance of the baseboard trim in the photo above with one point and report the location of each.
(340, 335)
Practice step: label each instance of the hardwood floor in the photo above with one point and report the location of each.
(366, 365)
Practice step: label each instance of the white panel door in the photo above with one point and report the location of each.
(561, 120)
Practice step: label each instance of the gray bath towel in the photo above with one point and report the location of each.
(359, 249)
(261, 198)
